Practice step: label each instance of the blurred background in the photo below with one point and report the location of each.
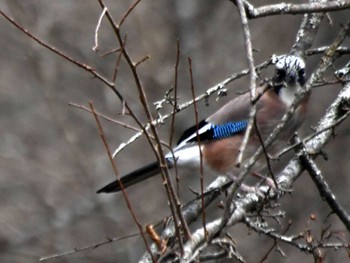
(52, 159)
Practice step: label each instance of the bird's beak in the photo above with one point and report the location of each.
(292, 77)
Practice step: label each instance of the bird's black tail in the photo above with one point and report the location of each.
(132, 178)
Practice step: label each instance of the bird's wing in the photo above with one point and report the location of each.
(230, 120)
(235, 110)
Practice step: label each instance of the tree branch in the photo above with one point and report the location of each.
(323, 187)
(295, 9)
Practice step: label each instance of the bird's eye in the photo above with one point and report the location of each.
(280, 73)
(301, 72)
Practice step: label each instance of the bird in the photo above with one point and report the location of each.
(221, 134)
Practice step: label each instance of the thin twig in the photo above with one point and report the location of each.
(105, 117)
(172, 122)
(176, 68)
(201, 173)
(117, 63)
(89, 247)
(323, 188)
(109, 52)
(132, 7)
(253, 76)
(95, 48)
(58, 52)
(142, 60)
(267, 157)
(252, 113)
(130, 208)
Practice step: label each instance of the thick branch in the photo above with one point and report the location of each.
(307, 33)
(294, 9)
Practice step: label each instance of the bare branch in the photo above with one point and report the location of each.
(58, 52)
(323, 187)
(89, 247)
(132, 212)
(109, 119)
(291, 240)
(95, 48)
(253, 76)
(340, 50)
(201, 172)
(192, 210)
(252, 113)
(294, 9)
(132, 7)
(307, 33)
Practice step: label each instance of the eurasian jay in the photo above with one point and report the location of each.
(222, 133)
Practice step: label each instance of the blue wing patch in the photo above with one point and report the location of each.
(221, 131)
(207, 131)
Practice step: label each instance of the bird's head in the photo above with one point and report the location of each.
(289, 77)
(290, 70)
